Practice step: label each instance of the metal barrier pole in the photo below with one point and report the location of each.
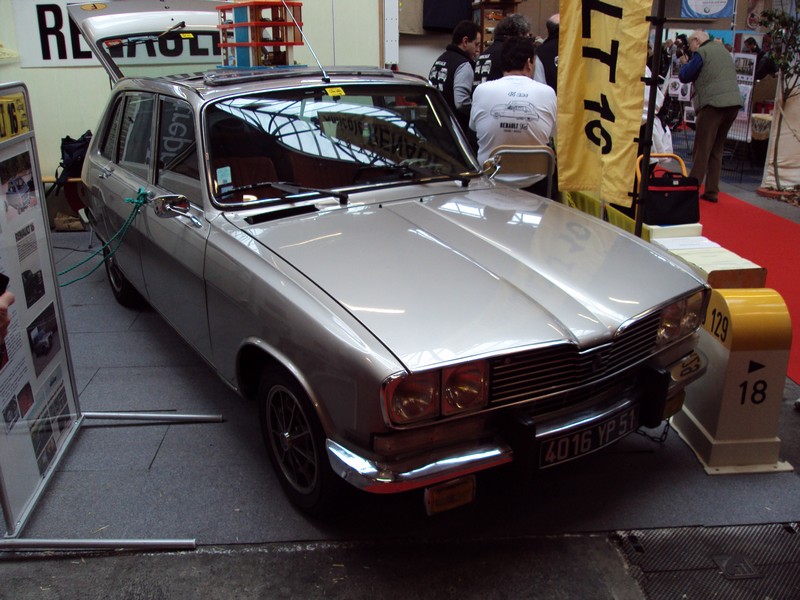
(84, 544)
(145, 416)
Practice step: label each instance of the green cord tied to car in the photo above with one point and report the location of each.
(138, 202)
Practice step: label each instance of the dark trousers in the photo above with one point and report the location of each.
(711, 130)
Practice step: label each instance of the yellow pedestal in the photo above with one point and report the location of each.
(730, 416)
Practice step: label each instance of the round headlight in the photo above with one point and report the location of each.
(671, 320)
(693, 317)
(464, 388)
(414, 398)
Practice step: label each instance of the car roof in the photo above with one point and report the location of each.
(212, 85)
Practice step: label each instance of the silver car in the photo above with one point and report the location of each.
(327, 242)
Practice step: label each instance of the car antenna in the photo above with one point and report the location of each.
(325, 76)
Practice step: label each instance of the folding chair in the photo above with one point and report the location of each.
(522, 166)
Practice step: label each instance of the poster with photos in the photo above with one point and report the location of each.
(741, 129)
(745, 65)
(37, 390)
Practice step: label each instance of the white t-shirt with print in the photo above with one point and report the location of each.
(512, 110)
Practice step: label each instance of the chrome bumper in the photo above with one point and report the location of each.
(380, 478)
(467, 458)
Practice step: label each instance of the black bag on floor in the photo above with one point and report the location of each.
(72, 154)
(672, 199)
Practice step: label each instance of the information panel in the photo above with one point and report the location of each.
(37, 391)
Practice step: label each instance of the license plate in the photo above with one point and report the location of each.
(589, 439)
(688, 366)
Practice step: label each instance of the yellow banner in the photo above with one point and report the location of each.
(601, 59)
(13, 116)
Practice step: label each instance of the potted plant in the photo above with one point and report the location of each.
(784, 30)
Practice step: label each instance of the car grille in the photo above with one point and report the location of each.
(546, 374)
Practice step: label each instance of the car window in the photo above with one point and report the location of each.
(329, 137)
(112, 131)
(178, 169)
(136, 133)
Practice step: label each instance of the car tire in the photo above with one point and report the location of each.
(295, 444)
(123, 291)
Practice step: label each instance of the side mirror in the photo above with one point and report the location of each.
(173, 205)
(491, 166)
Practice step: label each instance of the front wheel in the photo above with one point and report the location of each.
(123, 291)
(296, 446)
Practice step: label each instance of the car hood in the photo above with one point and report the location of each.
(454, 276)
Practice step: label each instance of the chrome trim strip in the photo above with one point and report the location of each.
(587, 417)
(371, 476)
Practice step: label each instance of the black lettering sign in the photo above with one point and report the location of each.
(50, 21)
(587, 6)
(172, 45)
(607, 58)
(595, 132)
(599, 136)
(75, 41)
(52, 13)
(19, 235)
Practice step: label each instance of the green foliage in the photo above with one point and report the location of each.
(784, 29)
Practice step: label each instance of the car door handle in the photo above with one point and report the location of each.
(106, 172)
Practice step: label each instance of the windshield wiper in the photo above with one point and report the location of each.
(143, 39)
(301, 190)
(290, 189)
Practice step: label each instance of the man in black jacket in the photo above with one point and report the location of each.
(548, 52)
(453, 72)
(487, 67)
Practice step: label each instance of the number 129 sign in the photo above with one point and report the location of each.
(753, 325)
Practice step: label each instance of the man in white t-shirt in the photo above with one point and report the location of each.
(514, 109)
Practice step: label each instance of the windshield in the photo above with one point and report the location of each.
(329, 137)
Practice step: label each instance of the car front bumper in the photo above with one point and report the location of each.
(668, 381)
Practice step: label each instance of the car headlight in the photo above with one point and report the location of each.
(414, 397)
(464, 388)
(681, 318)
(430, 394)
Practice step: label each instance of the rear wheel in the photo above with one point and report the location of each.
(123, 291)
(296, 446)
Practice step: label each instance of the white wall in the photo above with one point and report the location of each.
(65, 101)
(341, 32)
(417, 52)
(69, 100)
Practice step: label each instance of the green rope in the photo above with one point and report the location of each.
(140, 200)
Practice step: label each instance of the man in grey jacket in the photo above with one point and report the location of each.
(718, 102)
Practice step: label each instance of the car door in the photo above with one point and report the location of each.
(118, 170)
(173, 248)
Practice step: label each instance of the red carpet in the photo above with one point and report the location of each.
(767, 240)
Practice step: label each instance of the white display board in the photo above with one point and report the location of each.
(37, 390)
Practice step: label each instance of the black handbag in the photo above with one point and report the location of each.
(672, 198)
(72, 154)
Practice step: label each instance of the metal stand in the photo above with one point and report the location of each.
(647, 140)
(45, 544)
(133, 544)
(162, 417)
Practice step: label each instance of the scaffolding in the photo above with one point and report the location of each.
(259, 33)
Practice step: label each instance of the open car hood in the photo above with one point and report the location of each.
(150, 37)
